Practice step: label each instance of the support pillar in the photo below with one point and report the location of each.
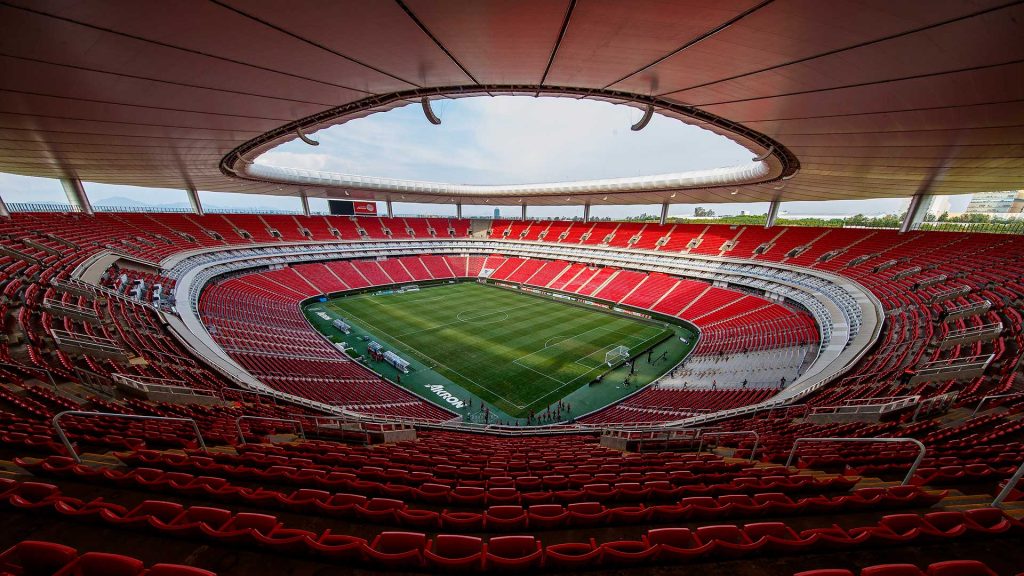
(305, 204)
(76, 195)
(524, 212)
(391, 210)
(586, 212)
(4, 212)
(193, 199)
(773, 214)
(458, 210)
(664, 213)
(916, 211)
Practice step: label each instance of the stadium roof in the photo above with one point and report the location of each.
(844, 100)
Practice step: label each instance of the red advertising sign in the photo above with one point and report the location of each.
(364, 208)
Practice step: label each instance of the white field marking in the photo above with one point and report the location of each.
(516, 361)
(437, 363)
(606, 349)
(547, 342)
(587, 373)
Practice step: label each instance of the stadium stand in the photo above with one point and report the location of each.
(416, 504)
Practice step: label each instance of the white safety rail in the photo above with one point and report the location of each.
(1011, 483)
(869, 406)
(158, 385)
(241, 435)
(757, 439)
(986, 399)
(913, 467)
(71, 448)
(849, 316)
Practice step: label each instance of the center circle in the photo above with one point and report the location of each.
(480, 317)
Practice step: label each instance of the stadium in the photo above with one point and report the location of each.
(206, 391)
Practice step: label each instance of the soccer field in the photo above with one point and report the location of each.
(516, 351)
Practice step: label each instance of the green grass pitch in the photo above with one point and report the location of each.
(516, 351)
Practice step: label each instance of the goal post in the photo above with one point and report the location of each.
(616, 355)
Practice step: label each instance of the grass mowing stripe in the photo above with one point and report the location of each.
(512, 349)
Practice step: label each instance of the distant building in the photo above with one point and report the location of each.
(1007, 202)
(497, 212)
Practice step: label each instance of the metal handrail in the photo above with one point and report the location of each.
(238, 424)
(913, 467)
(1010, 485)
(757, 438)
(78, 459)
(987, 398)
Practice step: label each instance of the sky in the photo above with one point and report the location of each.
(484, 140)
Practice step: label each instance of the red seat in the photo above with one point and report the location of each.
(960, 568)
(676, 544)
(141, 514)
(454, 552)
(34, 558)
(193, 522)
(505, 518)
(892, 570)
(177, 570)
(462, 521)
(586, 513)
(513, 553)
(777, 537)
(337, 546)
(573, 555)
(379, 510)
(394, 550)
(544, 516)
(102, 564)
(627, 552)
(729, 540)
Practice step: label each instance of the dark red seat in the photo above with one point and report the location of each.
(586, 513)
(627, 552)
(729, 540)
(960, 568)
(35, 558)
(341, 547)
(141, 514)
(513, 553)
(573, 555)
(778, 537)
(393, 550)
(505, 518)
(454, 552)
(676, 544)
(193, 522)
(102, 564)
(892, 570)
(544, 516)
(462, 521)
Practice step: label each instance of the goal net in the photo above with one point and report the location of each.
(616, 355)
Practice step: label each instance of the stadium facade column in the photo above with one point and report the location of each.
(193, 199)
(524, 212)
(773, 214)
(391, 209)
(919, 205)
(4, 212)
(76, 194)
(664, 213)
(305, 203)
(586, 212)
